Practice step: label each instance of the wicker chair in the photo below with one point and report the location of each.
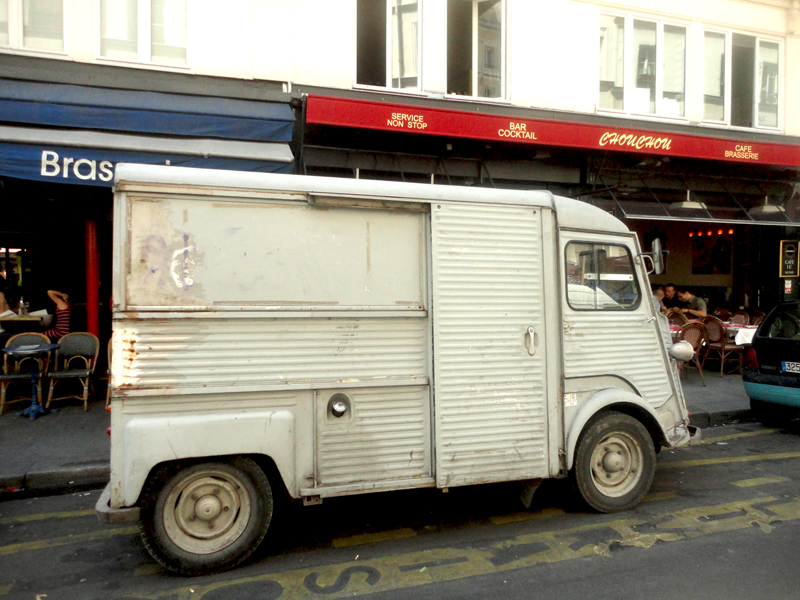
(740, 318)
(697, 336)
(721, 344)
(756, 319)
(722, 313)
(19, 369)
(76, 358)
(677, 318)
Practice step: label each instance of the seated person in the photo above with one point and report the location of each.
(63, 314)
(658, 300)
(671, 299)
(695, 306)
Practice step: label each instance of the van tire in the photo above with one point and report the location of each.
(205, 517)
(615, 462)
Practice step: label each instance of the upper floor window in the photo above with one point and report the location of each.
(388, 43)
(476, 48)
(642, 66)
(32, 24)
(143, 30)
(741, 76)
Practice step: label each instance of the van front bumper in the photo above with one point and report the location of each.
(114, 516)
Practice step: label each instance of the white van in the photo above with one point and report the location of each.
(324, 337)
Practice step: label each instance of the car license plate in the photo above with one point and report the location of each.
(790, 367)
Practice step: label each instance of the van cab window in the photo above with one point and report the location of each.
(600, 277)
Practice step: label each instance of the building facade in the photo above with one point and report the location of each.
(683, 119)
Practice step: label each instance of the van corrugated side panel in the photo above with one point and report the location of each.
(176, 353)
(636, 355)
(384, 435)
(490, 392)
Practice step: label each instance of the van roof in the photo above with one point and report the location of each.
(570, 213)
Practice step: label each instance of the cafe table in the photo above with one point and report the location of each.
(32, 351)
(22, 324)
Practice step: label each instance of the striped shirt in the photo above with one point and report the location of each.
(62, 323)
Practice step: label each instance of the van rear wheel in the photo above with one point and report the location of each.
(206, 517)
(615, 462)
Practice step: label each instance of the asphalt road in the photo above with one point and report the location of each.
(722, 521)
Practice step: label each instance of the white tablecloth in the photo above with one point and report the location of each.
(745, 336)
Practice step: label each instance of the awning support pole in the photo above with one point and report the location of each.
(739, 204)
(652, 193)
(92, 279)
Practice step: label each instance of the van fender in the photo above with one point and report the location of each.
(602, 399)
(150, 441)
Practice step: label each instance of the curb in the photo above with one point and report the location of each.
(60, 479)
(706, 419)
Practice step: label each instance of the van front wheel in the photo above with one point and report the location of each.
(615, 462)
(206, 517)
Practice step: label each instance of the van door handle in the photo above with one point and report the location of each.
(530, 341)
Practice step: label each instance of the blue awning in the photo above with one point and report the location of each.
(95, 166)
(103, 109)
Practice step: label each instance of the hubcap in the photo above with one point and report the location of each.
(613, 462)
(616, 464)
(206, 511)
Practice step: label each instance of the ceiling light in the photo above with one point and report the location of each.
(766, 209)
(688, 204)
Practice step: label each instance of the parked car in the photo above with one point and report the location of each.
(772, 366)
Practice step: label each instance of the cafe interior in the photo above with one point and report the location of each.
(721, 228)
(54, 237)
(57, 237)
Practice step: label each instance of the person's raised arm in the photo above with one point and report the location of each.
(60, 299)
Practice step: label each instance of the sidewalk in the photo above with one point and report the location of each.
(62, 450)
(70, 448)
(722, 400)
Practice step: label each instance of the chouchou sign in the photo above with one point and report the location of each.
(639, 142)
(476, 124)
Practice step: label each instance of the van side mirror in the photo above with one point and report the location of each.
(681, 351)
(656, 257)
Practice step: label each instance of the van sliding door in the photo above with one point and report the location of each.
(489, 344)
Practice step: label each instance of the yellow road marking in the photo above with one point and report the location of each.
(446, 564)
(67, 539)
(759, 481)
(526, 516)
(736, 436)
(53, 515)
(150, 569)
(727, 459)
(371, 538)
(665, 495)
